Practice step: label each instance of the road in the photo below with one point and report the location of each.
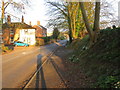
(20, 64)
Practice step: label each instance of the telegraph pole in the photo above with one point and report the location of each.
(3, 11)
(1, 21)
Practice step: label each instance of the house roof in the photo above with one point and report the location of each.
(40, 26)
(17, 25)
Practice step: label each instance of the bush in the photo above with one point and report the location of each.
(4, 48)
(40, 42)
(74, 59)
(61, 37)
(108, 82)
(43, 40)
(46, 39)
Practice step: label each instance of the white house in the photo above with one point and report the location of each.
(27, 36)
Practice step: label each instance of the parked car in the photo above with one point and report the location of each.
(19, 43)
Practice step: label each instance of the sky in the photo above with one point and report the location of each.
(37, 13)
(38, 10)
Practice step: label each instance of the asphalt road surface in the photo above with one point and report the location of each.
(20, 64)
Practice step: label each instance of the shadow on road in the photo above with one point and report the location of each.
(40, 79)
(58, 70)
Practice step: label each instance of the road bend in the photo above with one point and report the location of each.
(20, 64)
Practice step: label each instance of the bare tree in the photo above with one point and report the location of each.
(66, 14)
(92, 32)
(18, 5)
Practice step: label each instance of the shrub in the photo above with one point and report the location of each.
(61, 37)
(74, 59)
(39, 42)
(108, 82)
(46, 39)
(4, 48)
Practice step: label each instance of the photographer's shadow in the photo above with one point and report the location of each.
(40, 79)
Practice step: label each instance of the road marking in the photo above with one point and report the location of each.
(23, 52)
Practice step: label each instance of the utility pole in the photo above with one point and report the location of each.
(1, 22)
(4, 6)
(3, 11)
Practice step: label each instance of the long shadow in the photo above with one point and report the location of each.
(61, 72)
(40, 74)
(58, 70)
(40, 79)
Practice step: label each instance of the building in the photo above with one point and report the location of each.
(18, 31)
(40, 30)
(40, 33)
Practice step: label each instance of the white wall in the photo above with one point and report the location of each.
(27, 36)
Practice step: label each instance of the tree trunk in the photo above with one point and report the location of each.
(2, 17)
(90, 31)
(96, 21)
(70, 27)
(73, 24)
(74, 14)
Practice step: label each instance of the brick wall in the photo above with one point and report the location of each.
(39, 31)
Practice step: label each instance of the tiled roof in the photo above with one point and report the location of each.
(42, 27)
(17, 25)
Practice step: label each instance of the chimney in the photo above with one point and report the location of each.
(8, 19)
(22, 19)
(30, 23)
(38, 22)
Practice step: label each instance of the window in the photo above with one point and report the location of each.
(11, 39)
(19, 42)
(1, 39)
(11, 31)
(0, 32)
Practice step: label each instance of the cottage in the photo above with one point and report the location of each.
(40, 30)
(18, 31)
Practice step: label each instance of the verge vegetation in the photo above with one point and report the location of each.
(101, 62)
(5, 49)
